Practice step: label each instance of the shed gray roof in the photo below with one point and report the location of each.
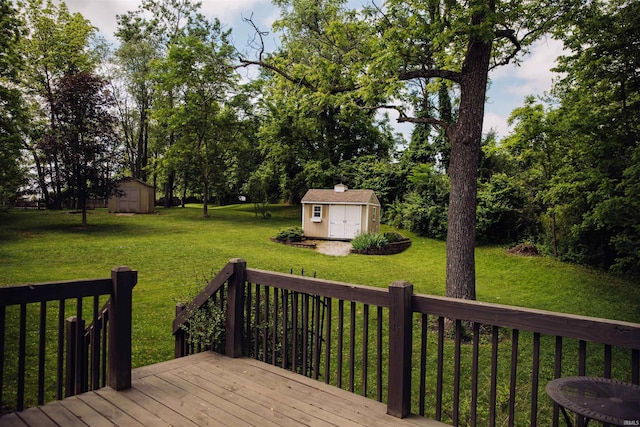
(132, 179)
(346, 197)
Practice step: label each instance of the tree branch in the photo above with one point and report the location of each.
(263, 64)
(403, 118)
(258, 35)
(511, 36)
(298, 81)
(430, 74)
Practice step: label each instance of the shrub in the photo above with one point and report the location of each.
(369, 241)
(393, 236)
(206, 325)
(291, 234)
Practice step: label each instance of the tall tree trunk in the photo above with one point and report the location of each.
(205, 200)
(554, 234)
(168, 189)
(463, 171)
(145, 150)
(58, 183)
(141, 160)
(41, 175)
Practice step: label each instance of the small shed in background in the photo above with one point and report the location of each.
(132, 196)
(339, 214)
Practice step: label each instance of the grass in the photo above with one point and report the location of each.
(176, 250)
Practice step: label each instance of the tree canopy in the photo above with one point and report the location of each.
(318, 111)
(13, 119)
(374, 58)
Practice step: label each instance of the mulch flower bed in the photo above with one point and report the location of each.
(296, 243)
(391, 249)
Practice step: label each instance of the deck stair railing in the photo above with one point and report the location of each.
(47, 352)
(461, 362)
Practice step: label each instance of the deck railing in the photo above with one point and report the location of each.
(461, 362)
(45, 354)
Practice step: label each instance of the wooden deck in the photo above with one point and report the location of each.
(210, 389)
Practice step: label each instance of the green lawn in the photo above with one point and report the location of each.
(176, 250)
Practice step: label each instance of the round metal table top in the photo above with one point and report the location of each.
(600, 399)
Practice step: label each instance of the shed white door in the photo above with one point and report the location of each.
(130, 202)
(344, 221)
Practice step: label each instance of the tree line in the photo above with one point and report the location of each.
(168, 104)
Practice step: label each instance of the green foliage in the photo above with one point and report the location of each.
(290, 234)
(576, 165)
(206, 325)
(365, 241)
(56, 44)
(12, 109)
(193, 81)
(423, 210)
(83, 138)
(393, 236)
(386, 178)
(500, 216)
(261, 188)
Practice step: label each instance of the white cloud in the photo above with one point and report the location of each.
(511, 84)
(533, 75)
(102, 13)
(232, 11)
(495, 122)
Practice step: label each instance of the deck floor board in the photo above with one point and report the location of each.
(208, 389)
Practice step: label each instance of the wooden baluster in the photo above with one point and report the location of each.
(41, 351)
(265, 328)
(71, 359)
(285, 328)
(2, 326)
(535, 370)
(95, 347)
(456, 371)
(474, 373)
(327, 340)
(22, 340)
(305, 334)
(365, 348)
(557, 373)
(494, 376)
(247, 319)
(257, 326)
(340, 340)
(379, 355)
(423, 364)
(352, 347)
(635, 366)
(513, 377)
(607, 361)
(440, 368)
(60, 365)
(295, 342)
(316, 337)
(274, 338)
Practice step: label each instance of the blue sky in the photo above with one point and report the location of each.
(509, 84)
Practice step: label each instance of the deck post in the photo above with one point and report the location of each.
(119, 373)
(400, 345)
(180, 336)
(235, 309)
